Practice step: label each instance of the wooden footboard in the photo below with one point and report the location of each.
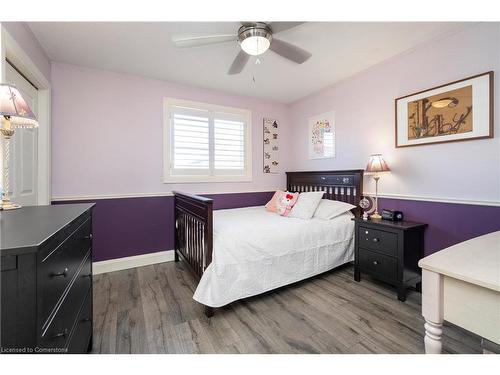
(193, 233)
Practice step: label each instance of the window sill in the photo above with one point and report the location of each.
(204, 179)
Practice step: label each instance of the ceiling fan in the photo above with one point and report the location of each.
(254, 38)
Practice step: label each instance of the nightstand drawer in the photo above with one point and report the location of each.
(378, 264)
(378, 240)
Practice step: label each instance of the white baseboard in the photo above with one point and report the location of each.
(132, 262)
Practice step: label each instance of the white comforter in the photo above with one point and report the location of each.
(255, 251)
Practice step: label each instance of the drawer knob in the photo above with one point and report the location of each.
(375, 262)
(89, 237)
(366, 232)
(63, 273)
(85, 320)
(376, 239)
(61, 334)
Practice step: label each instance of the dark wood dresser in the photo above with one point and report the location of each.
(389, 251)
(46, 279)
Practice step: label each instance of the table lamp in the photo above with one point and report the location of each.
(14, 113)
(376, 165)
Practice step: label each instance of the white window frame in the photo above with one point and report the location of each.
(169, 178)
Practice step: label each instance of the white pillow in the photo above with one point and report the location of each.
(328, 209)
(306, 205)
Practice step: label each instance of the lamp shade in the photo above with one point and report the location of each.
(15, 108)
(377, 164)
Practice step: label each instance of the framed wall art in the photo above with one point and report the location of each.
(271, 145)
(321, 136)
(457, 111)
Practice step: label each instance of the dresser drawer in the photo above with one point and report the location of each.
(378, 240)
(56, 330)
(8, 263)
(62, 235)
(60, 266)
(82, 333)
(377, 264)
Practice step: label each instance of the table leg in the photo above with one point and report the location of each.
(489, 347)
(357, 274)
(432, 339)
(432, 310)
(418, 287)
(402, 292)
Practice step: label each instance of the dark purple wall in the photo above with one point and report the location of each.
(133, 226)
(449, 223)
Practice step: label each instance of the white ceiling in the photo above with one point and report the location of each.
(339, 50)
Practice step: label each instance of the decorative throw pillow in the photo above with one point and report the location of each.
(271, 205)
(328, 209)
(306, 205)
(285, 202)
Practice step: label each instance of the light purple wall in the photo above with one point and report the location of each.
(107, 134)
(21, 33)
(364, 111)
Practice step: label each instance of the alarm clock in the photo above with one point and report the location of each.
(392, 215)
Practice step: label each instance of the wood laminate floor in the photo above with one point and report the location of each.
(151, 310)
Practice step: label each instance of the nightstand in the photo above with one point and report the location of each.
(389, 251)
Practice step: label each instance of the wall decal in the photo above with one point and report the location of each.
(271, 146)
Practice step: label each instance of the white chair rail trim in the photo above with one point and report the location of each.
(169, 194)
(162, 194)
(436, 199)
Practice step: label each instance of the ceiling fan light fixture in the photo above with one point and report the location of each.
(255, 39)
(255, 45)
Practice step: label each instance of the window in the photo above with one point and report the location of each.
(206, 143)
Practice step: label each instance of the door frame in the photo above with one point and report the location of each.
(11, 50)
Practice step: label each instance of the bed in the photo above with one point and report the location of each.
(238, 253)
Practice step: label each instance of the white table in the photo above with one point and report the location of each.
(461, 284)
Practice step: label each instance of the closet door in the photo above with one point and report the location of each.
(24, 147)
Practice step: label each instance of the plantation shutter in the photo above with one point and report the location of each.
(229, 143)
(191, 141)
(205, 143)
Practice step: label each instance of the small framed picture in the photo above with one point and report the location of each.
(321, 136)
(457, 111)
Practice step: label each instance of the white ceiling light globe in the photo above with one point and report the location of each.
(255, 45)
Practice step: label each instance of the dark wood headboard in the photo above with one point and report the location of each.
(344, 186)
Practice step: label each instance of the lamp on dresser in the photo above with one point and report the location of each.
(376, 166)
(14, 113)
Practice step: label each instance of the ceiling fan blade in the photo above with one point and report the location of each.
(203, 40)
(239, 63)
(289, 51)
(278, 27)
